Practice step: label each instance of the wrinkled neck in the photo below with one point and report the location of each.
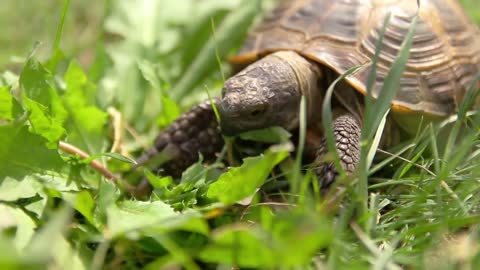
(308, 75)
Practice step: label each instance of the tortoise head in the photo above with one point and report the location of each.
(266, 93)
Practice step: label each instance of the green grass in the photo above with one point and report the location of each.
(134, 69)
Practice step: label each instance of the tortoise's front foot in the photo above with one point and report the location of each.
(196, 131)
(346, 130)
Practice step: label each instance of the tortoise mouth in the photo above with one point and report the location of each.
(234, 123)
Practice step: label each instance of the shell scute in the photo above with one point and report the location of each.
(444, 57)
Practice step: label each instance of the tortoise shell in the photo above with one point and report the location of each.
(340, 34)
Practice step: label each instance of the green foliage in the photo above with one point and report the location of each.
(238, 183)
(151, 60)
(86, 123)
(46, 113)
(6, 104)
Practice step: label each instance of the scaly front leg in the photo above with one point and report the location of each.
(196, 131)
(347, 131)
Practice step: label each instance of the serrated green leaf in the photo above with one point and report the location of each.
(46, 112)
(43, 123)
(82, 202)
(158, 182)
(23, 153)
(12, 189)
(241, 182)
(108, 194)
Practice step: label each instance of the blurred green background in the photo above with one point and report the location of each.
(24, 22)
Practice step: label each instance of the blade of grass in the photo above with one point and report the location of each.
(57, 54)
(372, 75)
(217, 55)
(373, 248)
(327, 119)
(390, 85)
(467, 102)
(375, 112)
(376, 140)
(386, 161)
(295, 179)
(58, 35)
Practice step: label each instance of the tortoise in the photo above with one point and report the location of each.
(302, 46)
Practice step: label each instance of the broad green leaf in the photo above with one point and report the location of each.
(152, 216)
(12, 189)
(108, 194)
(46, 112)
(31, 155)
(25, 226)
(267, 135)
(194, 174)
(82, 202)
(242, 245)
(241, 182)
(86, 123)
